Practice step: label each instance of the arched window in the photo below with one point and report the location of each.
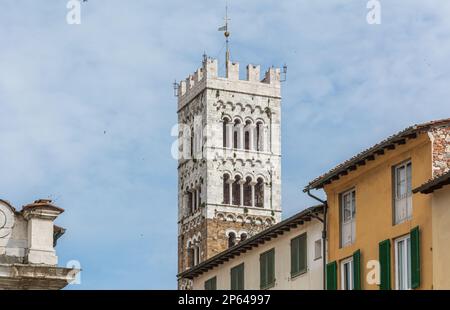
(237, 191)
(190, 255)
(226, 189)
(236, 134)
(259, 193)
(259, 136)
(248, 192)
(243, 237)
(192, 143)
(231, 239)
(190, 201)
(247, 135)
(224, 132)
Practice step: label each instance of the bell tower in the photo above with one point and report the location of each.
(229, 165)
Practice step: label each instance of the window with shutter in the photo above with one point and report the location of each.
(403, 263)
(298, 255)
(237, 277)
(211, 284)
(402, 192)
(267, 269)
(348, 214)
(385, 264)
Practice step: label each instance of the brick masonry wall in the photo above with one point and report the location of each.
(217, 240)
(441, 150)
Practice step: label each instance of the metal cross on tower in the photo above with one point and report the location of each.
(227, 35)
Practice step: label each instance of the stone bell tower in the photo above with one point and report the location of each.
(229, 168)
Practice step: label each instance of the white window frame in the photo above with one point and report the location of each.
(349, 225)
(403, 202)
(406, 262)
(348, 261)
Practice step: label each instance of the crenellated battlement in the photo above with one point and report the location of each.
(208, 76)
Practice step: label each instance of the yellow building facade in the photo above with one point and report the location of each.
(380, 233)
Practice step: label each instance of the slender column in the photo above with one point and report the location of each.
(252, 185)
(193, 201)
(229, 140)
(241, 186)
(230, 188)
(240, 135)
(196, 199)
(251, 135)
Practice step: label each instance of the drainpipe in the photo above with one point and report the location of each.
(324, 233)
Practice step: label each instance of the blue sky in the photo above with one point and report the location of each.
(87, 109)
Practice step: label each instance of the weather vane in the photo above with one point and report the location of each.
(227, 36)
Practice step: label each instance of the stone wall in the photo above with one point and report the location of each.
(441, 150)
(217, 233)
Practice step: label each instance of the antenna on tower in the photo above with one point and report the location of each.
(227, 36)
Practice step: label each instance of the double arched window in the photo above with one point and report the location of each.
(233, 238)
(193, 199)
(194, 251)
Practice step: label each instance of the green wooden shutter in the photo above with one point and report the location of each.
(271, 267)
(332, 276)
(357, 270)
(294, 256)
(262, 271)
(385, 264)
(415, 257)
(211, 284)
(237, 277)
(298, 255)
(267, 269)
(303, 254)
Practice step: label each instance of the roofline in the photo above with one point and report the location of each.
(373, 152)
(260, 238)
(433, 184)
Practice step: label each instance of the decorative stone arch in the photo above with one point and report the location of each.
(219, 103)
(226, 171)
(249, 119)
(240, 105)
(238, 118)
(7, 218)
(238, 174)
(248, 163)
(258, 221)
(229, 105)
(249, 220)
(227, 232)
(226, 116)
(240, 219)
(241, 162)
(220, 217)
(259, 109)
(249, 175)
(249, 107)
(262, 176)
(230, 218)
